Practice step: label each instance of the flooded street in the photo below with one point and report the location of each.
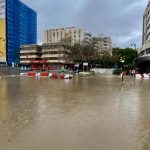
(84, 113)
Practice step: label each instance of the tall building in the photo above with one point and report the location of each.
(77, 35)
(18, 26)
(144, 52)
(103, 44)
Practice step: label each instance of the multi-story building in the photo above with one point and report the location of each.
(76, 35)
(54, 35)
(29, 53)
(144, 52)
(18, 26)
(54, 54)
(103, 44)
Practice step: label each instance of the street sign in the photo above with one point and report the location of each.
(85, 64)
(76, 65)
(122, 61)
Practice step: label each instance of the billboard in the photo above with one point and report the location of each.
(2, 31)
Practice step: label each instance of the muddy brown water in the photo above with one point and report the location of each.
(84, 113)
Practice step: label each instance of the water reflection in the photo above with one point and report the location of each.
(144, 129)
(93, 112)
(3, 100)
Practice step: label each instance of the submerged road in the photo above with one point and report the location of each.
(84, 113)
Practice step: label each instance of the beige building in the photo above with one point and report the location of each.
(77, 35)
(54, 53)
(30, 52)
(104, 44)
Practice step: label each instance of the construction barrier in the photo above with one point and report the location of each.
(31, 74)
(142, 76)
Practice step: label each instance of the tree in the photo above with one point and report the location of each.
(84, 52)
(128, 55)
(88, 52)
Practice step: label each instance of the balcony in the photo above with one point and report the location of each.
(56, 61)
(51, 55)
(30, 57)
(29, 51)
(24, 61)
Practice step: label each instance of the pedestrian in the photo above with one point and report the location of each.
(122, 76)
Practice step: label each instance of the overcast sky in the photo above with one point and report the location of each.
(120, 19)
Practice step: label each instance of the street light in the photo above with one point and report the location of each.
(136, 60)
(133, 44)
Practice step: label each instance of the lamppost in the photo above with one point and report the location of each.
(133, 44)
(135, 48)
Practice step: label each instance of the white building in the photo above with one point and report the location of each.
(77, 35)
(104, 44)
(144, 52)
(146, 25)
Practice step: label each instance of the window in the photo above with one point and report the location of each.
(148, 51)
(142, 53)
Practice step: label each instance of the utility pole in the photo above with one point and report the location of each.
(135, 48)
(133, 44)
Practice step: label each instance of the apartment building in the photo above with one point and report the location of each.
(144, 52)
(103, 44)
(146, 25)
(76, 35)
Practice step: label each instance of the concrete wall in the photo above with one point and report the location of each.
(102, 71)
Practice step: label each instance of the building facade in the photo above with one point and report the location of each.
(103, 44)
(76, 35)
(53, 53)
(144, 52)
(18, 24)
(29, 53)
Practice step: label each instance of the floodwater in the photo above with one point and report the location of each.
(84, 113)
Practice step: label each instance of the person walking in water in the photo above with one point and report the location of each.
(122, 76)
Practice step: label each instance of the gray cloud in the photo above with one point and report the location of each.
(120, 19)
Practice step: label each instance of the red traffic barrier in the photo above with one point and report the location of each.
(62, 76)
(31, 74)
(44, 74)
(55, 76)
